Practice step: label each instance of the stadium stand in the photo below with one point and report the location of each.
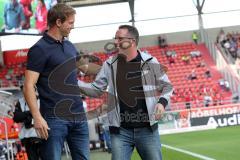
(12, 75)
(191, 90)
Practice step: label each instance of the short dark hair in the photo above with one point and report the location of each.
(59, 11)
(132, 31)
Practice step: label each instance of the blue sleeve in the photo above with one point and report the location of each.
(22, 16)
(5, 13)
(36, 59)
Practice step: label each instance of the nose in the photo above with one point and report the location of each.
(117, 45)
(116, 42)
(72, 26)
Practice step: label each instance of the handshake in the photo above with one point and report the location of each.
(88, 64)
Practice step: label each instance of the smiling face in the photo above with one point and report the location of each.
(61, 18)
(124, 41)
(66, 26)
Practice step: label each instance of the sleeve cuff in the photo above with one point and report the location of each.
(163, 101)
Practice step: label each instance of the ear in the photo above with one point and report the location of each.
(58, 23)
(133, 44)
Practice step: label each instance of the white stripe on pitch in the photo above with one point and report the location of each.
(188, 152)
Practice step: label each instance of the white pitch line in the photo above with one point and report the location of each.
(188, 152)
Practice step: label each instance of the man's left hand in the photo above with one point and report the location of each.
(159, 111)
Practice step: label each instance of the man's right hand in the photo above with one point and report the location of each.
(41, 127)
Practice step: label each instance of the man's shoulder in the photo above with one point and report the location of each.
(69, 43)
(39, 48)
(7, 6)
(40, 43)
(146, 56)
(18, 6)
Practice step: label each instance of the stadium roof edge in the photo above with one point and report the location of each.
(84, 3)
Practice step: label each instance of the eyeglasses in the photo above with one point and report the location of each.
(122, 38)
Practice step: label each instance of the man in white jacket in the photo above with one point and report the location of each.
(139, 90)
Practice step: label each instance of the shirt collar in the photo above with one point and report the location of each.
(51, 39)
(138, 58)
